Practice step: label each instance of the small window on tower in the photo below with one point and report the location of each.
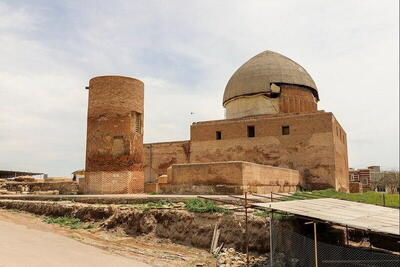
(251, 131)
(218, 135)
(285, 130)
(136, 122)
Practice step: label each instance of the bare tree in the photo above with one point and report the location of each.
(390, 180)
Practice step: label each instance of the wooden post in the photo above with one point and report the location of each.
(347, 235)
(384, 199)
(369, 239)
(315, 244)
(270, 238)
(214, 241)
(272, 199)
(247, 233)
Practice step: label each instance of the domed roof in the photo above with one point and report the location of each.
(256, 75)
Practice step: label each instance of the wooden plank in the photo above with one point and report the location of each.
(343, 212)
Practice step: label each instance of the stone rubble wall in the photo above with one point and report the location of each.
(63, 188)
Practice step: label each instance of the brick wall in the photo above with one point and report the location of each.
(114, 182)
(355, 187)
(296, 99)
(233, 177)
(341, 157)
(114, 148)
(309, 147)
(159, 156)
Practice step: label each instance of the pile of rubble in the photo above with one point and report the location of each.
(26, 185)
(228, 257)
(2, 186)
(24, 190)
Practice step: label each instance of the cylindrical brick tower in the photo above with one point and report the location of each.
(114, 146)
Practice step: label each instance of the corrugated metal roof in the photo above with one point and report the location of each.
(9, 174)
(353, 214)
(257, 74)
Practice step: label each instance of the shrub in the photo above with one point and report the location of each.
(202, 205)
(266, 214)
(159, 203)
(68, 222)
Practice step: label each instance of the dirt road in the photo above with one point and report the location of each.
(25, 240)
(22, 246)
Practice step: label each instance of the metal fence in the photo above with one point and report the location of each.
(291, 248)
(314, 243)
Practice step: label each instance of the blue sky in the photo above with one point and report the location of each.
(185, 52)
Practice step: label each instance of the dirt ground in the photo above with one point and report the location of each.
(25, 240)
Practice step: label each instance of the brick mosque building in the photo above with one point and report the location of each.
(273, 138)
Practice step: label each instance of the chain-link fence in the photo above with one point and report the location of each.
(295, 247)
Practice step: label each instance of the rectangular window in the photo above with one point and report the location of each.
(251, 131)
(136, 122)
(218, 135)
(285, 130)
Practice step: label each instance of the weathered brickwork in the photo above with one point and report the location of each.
(231, 177)
(159, 156)
(272, 119)
(355, 187)
(296, 99)
(114, 150)
(114, 182)
(341, 157)
(310, 146)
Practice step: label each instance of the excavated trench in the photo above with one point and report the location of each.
(178, 225)
(192, 229)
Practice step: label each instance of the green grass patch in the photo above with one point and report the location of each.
(370, 197)
(160, 203)
(68, 222)
(150, 205)
(203, 205)
(265, 214)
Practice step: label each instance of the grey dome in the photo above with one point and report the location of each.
(256, 75)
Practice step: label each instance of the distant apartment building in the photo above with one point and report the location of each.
(361, 179)
(372, 178)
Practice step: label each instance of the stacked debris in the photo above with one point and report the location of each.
(231, 258)
(25, 185)
(3, 190)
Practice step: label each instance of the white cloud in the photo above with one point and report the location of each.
(185, 53)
